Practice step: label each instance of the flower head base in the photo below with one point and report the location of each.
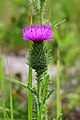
(37, 32)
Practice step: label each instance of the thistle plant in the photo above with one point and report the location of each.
(38, 60)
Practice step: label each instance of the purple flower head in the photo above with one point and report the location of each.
(37, 32)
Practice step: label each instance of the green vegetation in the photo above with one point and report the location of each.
(64, 15)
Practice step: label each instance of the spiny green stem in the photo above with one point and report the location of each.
(43, 97)
(2, 85)
(45, 112)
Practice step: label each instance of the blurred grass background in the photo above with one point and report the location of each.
(14, 15)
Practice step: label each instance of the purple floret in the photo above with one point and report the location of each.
(37, 32)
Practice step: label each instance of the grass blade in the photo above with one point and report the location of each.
(11, 101)
(2, 85)
(58, 89)
(29, 92)
(30, 79)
